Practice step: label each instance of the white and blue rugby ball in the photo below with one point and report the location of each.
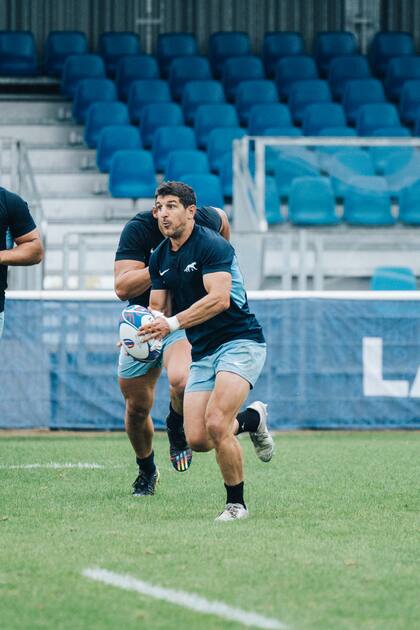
(132, 318)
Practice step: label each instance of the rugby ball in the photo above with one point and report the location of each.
(131, 319)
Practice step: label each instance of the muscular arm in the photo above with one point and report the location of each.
(28, 251)
(217, 300)
(225, 227)
(131, 278)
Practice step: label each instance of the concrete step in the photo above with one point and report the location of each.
(44, 134)
(61, 158)
(92, 208)
(12, 111)
(64, 183)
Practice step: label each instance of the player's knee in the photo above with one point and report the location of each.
(137, 410)
(198, 442)
(178, 382)
(215, 426)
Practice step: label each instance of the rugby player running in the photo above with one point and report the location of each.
(195, 271)
(139, 238)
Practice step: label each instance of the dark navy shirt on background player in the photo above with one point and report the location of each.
(14, 216)
(141, 235)
(182, 272)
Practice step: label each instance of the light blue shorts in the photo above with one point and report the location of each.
(1, 323)
(130, 368)
(241, 356)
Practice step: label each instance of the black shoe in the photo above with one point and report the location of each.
(179, 452)
(145, 485)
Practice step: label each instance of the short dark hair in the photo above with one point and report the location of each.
(185, 193)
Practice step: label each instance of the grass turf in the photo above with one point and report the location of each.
(332, 542)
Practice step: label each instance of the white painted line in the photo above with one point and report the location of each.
(183, 599)
(53, 465)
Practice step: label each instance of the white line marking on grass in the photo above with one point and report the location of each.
(186, 600)
(54, 465)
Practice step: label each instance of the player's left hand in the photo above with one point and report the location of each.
(158, 329)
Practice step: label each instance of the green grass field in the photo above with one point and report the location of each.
(332, 542)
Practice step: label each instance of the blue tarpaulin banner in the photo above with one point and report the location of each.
(332, 363)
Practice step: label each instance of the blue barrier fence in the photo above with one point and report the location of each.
(351, 362)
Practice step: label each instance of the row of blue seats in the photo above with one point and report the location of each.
(319, 119)
(18, 50)
(234, 70)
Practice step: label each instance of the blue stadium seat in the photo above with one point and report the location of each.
(268, 115)
(312, 202)
(304, 93)
(292, 69)
(173, 45)
(272, 152)
(273, 213)
(401, 171)
(368, 202)
(115, 138)
(157, 115)
(198, 93)
(386, 45)
(90, 91)
(400, 70)
(226, 175)
(58, 46)
(325, 152)
(113, 46)
(135, 68)
(132, 175)
(393, 279)
(347, 164)
(250, 93)
(146, 91)
(209, 117)
(78, 67)
(382, 156)
(239, 69)
(167, 139)
(183, 161)
(186, 69)
(410, 101)
(226, 44)
(376, 115)
(358, 92)
(288, 168)
(207, 188)
(320, 115)
(278, 44)
(220, 142)
(331, 44)
(344, 69)
(18, 54)
(410, 204)
(101, 115)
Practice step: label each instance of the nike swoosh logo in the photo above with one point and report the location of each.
(162, 273)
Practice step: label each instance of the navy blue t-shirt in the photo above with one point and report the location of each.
(15, 218)
(181, 273)
(141, 236)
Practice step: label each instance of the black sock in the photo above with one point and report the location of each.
(248, 420)
(174, 421)
(147, 464)
(235, 494)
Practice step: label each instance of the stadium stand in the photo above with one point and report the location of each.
(58, 46)
(345, 165)
(304, 93)
(167, 139)
(385, 46)
(237, 69)
(374, 116)
(344, 69)
(207, 187)
(288, 168)
(209, 117)
(280, 44)
(134, 68)
(319, 115)
(145, 92)
(113, 46)
(173, 45)
(266, 115)
(220, 142)
(101, 115)
(157, 115)
(410, 101)
(358, 92)
(250, 93)
(292, 69)
(329, 45)
(410, 203)
(185, 69)
(184, 161)
(367, 202)
(272, 202)
(18, 55)
(400, 70)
